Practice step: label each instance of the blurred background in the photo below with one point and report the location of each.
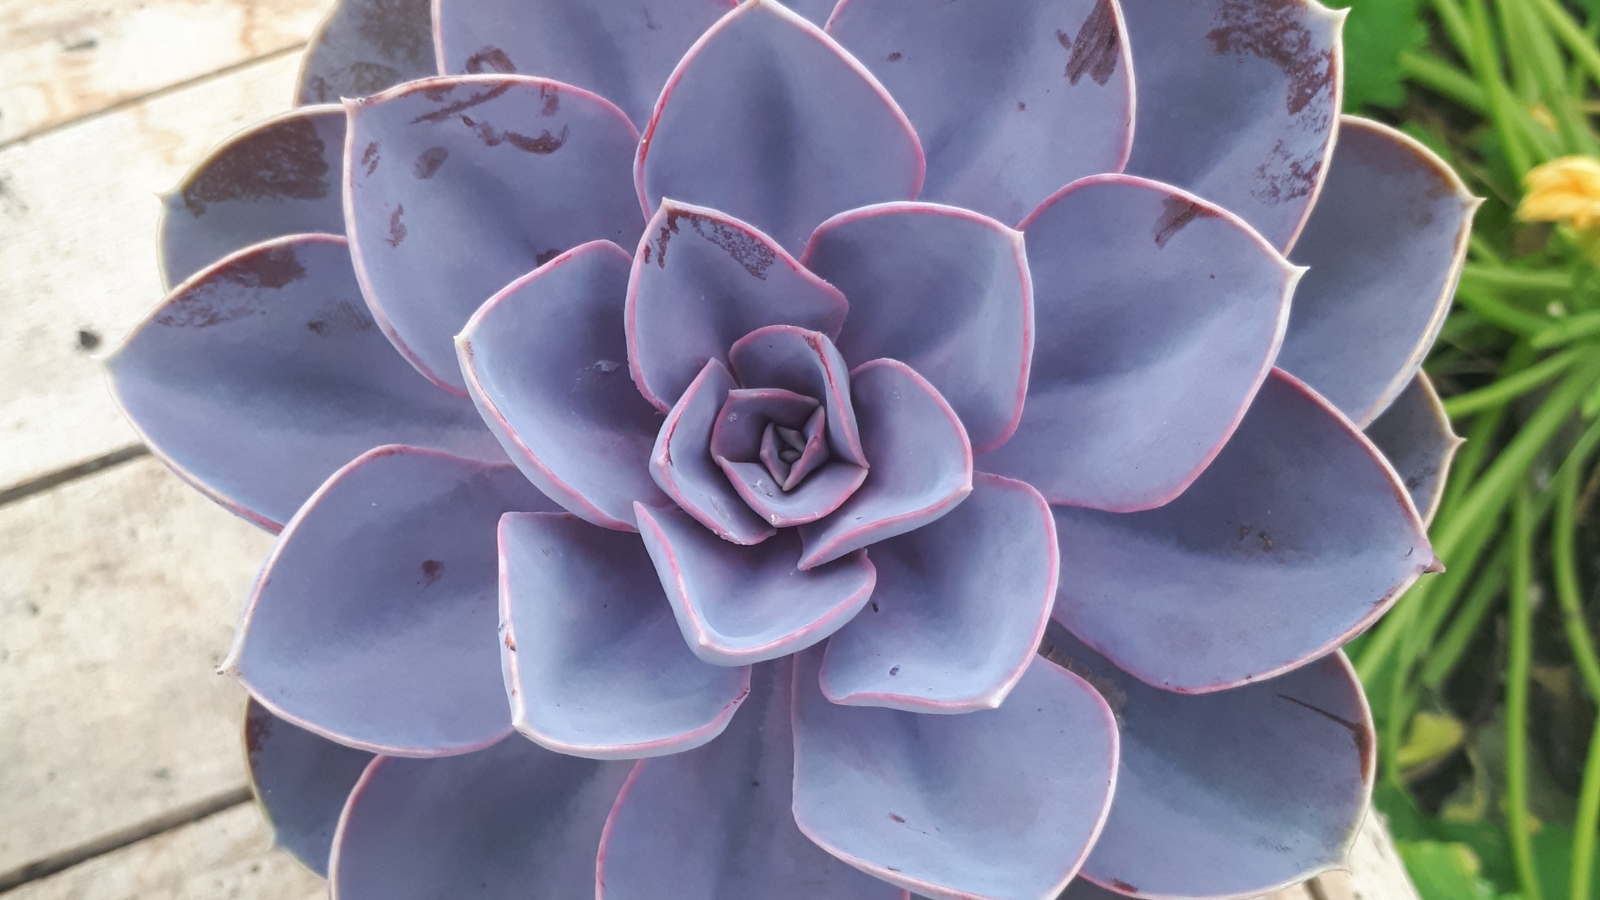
(121, 774)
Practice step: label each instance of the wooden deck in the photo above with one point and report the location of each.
(121, 775)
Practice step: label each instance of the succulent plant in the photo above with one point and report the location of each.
(814, 452)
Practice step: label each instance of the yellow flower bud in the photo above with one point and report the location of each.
(1565, 190)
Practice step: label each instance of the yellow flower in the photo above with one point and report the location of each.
(1565, 190)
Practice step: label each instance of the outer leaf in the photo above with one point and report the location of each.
(959, 608)
(716, 822)
(798, 128)
(1012, 99)
(301, 781)
(1239, 103)
(621, 51)
(1414, 434)
(1158, 317)
(373, 621)
(969, 807)
(1296, 538)
(456, 186)
(593, 662)
(508, 822)
(922, 468)
(276, 178)
(722, 280)
(682, 462)
(943, 290)
(1231, 794)
(365, 46)
(543, 360)
(263, 374)
(741, 605)
(1385, 246)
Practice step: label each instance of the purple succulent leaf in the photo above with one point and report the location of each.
(1158, 317)
(372, 622)
(544, 362)
(716, 822)
(508, 822)
(301, 781)
(1295, 539)
(621, 51)
(456, 186)
(1385, 244)
(804, 362)
(1011, 100)
(721, 280)
(922, 468)
(593, 660)
(970, 807)
(958, 610)
(741, 605)
(1415, 436)
(276, 178)
(1239, 103)
(817, 134)
(740, 430)
(945, 291)
(259, 377)
(688, 474)
(1231, 794)
(816, 11)
(366, 46)
(819, 496)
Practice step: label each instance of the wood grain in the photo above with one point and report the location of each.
(119, 597)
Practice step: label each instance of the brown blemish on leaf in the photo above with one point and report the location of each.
(900, 819)
(1273, 31)
(1115, 697)
(1358, 734)
(543, 144)
(369, 157)
(548, 255)
(282, 163)
(753, 255)
(342, 317)
(397, 228)
(1176, 214)
(1123, 886)
(511, 642)
(1094, 50)
(451, 110)
(893, 57)
(490, 59)
(234, 292)
(432, 571)
(430, 160)
(257, 728)
(400, 29)
(1281, 177)
(552, 99)
(364, 78)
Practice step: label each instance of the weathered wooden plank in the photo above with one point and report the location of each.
(78, 221)
(69, 58)
(225, 856)
(119, 595)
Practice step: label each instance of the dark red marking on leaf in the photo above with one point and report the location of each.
(546, 256)
(900, 819)
(1176, 214)
(432, 571)
(392, 25)
(511, 642)
(234, 292)
(1124, 886)
(1269, 29)
(342, 317)
(755, 256)
(1094, 50)
(430, 160)
(1358, 734)
(543, 144)
(257, 728)
(894, 57)
(451, 110)
(369, 157)
(397, 229)
(1021, 106)
(1281, 177)
(490, 59)
(283, 163)
(552, 99)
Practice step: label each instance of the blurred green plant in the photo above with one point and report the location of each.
(1484, 690)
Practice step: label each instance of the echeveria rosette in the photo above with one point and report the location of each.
(829, 452)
